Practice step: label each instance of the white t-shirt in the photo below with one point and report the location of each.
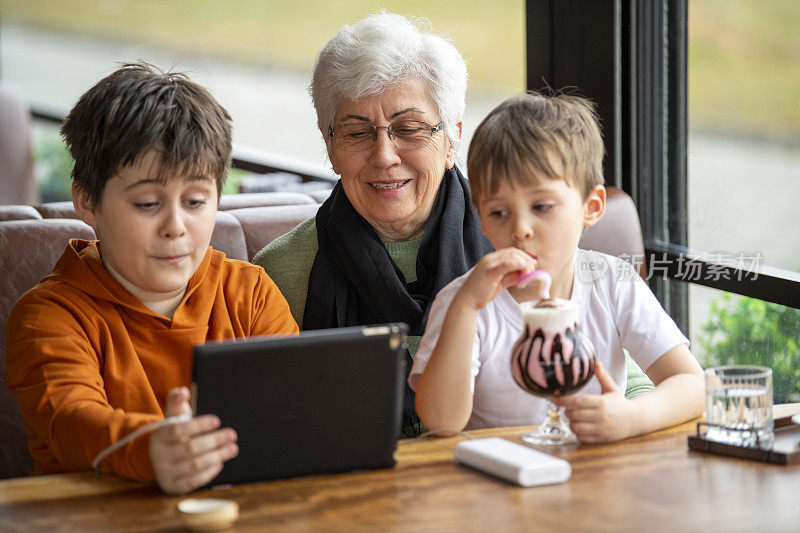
(617, 310)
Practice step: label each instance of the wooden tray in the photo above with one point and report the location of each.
(784, 451)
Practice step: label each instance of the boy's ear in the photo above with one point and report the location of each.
(595, 206)
(452, 151)
(83, 206)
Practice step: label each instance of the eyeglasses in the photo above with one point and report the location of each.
(405, 134)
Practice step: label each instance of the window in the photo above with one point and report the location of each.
(744, 174)
(744, 128)
(256, 57)
(698, 101)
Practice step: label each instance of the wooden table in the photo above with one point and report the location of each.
(649, 483)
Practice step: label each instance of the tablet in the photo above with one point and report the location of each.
(321, 402)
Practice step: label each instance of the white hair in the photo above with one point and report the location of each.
(379, 51)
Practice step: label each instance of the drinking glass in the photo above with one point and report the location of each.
(552, 356)
(739, 405)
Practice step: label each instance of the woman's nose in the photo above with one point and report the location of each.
(384, 153)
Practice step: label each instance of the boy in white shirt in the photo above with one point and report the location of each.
(535, 169)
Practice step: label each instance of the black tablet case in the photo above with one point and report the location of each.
(322, 402)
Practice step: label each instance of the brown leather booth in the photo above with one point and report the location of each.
(619, 232)
(226, 203)
(32, 239)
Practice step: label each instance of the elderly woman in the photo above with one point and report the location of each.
(399, 225)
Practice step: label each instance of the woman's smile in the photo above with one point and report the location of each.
(389, 188)
(388, 185)
(393, 189)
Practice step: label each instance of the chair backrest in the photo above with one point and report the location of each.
(18, 212)
(263, 225)
(262, 199)
(619, 232)
(30, 248)
(17, 183)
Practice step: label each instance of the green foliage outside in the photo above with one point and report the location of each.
(234, 180)
(744, 67)
(53, 168)
(754, 332)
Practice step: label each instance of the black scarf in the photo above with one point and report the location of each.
(355, 282)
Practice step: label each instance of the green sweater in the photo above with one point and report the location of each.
(289, 258)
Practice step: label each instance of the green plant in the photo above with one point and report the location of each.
(234, 180)
(754, 332)
(53, 169)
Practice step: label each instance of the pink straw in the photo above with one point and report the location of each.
(543, 276)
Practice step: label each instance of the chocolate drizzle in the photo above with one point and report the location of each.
(544, 363)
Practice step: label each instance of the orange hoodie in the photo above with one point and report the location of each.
(88, 363)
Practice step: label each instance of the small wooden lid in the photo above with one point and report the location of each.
(208, 514)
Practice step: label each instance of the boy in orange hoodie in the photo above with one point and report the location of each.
(103, 345)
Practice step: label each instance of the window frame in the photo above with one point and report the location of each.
(630, 56)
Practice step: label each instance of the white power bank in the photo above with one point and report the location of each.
(513, 462)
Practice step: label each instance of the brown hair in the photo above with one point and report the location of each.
(533, 134)
(140, 108)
